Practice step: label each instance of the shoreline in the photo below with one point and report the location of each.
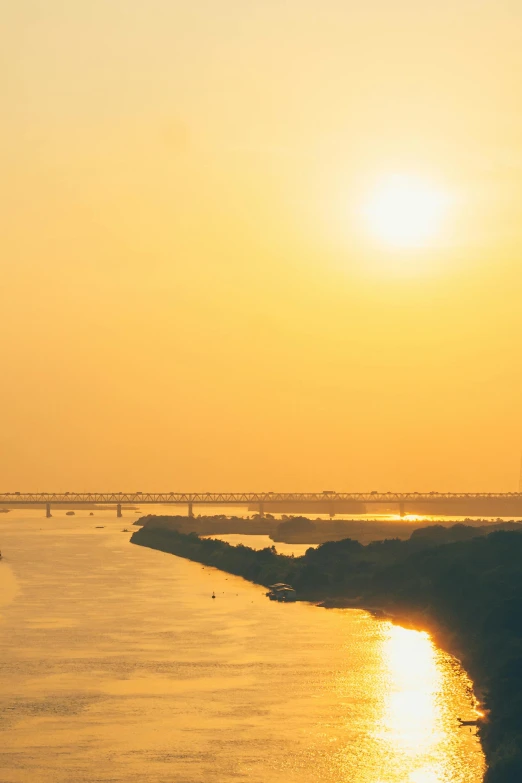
(445, 639)
(407, 617)
(466, 594)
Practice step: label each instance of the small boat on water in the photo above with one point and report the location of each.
(213, 595)
(69, 513)
(125, 530)
(468, 722)
(281, 592)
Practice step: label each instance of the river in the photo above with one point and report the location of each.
(117, 666)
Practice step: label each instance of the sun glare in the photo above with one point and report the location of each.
(405, 211)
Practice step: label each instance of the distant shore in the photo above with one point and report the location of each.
(302, 530)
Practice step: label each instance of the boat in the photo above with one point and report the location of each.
(468, 722)
(69, 513)
(125, 530)
(213, 595)
(281, 592)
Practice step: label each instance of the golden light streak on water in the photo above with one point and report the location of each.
(411, 720)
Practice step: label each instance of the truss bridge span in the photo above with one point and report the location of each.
(326, 502)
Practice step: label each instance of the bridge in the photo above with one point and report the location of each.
(327, 502)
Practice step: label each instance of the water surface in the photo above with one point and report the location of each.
(116, 665)
(261, 542)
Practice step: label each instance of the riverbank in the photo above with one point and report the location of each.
(467, 594)
(443, 637)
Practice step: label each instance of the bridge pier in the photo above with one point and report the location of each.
(118, 510)
(402, 508)
(332, 509)
(48, 510)
(261, 509)
(190, 510)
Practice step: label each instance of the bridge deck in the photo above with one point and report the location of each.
(247, 498)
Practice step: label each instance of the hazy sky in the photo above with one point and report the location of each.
(190, 297)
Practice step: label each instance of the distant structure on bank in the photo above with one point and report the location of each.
(479, 504)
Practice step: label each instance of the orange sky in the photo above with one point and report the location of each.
(189, 298)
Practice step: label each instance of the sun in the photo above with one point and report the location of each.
(404, 211)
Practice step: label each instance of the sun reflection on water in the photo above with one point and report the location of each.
(412, 719)
(417, 729)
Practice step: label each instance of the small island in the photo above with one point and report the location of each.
(462, 583)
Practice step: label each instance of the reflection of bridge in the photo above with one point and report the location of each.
(456, 503)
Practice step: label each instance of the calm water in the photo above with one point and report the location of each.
(261, 542)
(116, 665)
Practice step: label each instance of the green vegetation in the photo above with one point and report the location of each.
(263, 566)
(216, 525)
(460, 583)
